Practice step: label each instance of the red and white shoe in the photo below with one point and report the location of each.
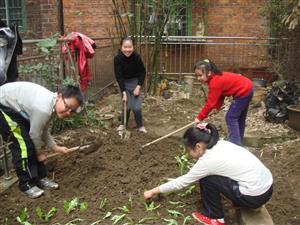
(206, 220)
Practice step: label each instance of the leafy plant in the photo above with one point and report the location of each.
(5, 221)
(181, 163)
(187, 218)
(45, 216)
(150, 206)
(175, 213)
(117, 218)
(124, 208)
(188, 191)
(23, 217)
(70, 206)
(171, 221)
(178, 204)
(103, 203)
(83, 206)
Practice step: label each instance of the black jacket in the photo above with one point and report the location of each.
(128, 68)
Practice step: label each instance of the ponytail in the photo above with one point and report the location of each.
(207, 66)
(207, 134)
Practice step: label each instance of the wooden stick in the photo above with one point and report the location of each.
(168, 135)
(70, 150)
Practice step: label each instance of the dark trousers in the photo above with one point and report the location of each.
(134, 103)
(212, 186)
(14, 128)
(236, 118)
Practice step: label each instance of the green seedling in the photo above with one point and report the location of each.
(70, 206)
(181, 162)
(170, 221)
(186, 219)
(151, 206)
(124, 208)
(178, 204)
(107, 215)
(103, 203)
(188, 191)
(75, 221)
(83, 206)
(142, 221)
(23, 218)
(45, 216)
(175, 213)
(117, 218)
(130, 200)
(5, 222)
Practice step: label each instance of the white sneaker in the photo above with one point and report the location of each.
(120, 128)
(46, 183)
(34, 192)
(142, 129)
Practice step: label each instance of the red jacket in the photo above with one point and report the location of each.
(221, 86)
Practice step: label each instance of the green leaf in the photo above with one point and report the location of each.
(83, 206)
(108, 214)
(175, 213)
(117, 218)
(39, 213)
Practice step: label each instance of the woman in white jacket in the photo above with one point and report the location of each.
(222, 168)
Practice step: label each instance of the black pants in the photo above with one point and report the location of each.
(212, 186)
(14, 128)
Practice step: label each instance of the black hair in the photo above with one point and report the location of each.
(127, 38)
(71, 91)
(194, 135)
(206, 66)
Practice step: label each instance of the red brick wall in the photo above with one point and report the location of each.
(93, 17)
(236, 18)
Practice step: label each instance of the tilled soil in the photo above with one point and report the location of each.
(120, 170)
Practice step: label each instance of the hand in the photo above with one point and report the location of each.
(124, 99)
(197, 120)
(149, 194)
(137, 90)
(41, 157)
(60, 149)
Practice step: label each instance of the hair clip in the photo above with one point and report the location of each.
(202, 126)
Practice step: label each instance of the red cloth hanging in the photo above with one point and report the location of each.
(85, 47)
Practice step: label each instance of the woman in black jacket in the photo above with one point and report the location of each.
(130, 74)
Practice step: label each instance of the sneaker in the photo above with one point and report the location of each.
(34, 192)
(46, 183)
(120, 128)
(142, 129)
(206, 220)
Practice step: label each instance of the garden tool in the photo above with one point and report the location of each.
(176, 131)
(125, 134)
(71, 150)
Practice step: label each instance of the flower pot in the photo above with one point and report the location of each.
(294, 116)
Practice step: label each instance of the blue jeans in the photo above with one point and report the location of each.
(236, 118)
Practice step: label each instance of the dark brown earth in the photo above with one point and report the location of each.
(117, 169)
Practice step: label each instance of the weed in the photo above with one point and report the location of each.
(178, 204)
(103, 203)
(187, 218)
(170, 221)
(188, 191)
(70, 206)
(175, 213)
(45, 216)
(23, 217)
(117, 218)
(181, 162)
(83, 206)
(151, 206)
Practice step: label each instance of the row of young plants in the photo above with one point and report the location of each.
(117, 215)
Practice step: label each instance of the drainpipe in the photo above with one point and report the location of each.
(60, 15)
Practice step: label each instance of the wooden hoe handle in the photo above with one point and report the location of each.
(70, 150)
(168, 135)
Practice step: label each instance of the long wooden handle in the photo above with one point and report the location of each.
(70, 150)
(168, 135)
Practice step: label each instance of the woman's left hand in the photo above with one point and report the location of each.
(137, 90)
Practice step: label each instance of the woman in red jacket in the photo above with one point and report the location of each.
(221, 85)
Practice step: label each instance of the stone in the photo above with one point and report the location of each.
(254, 217)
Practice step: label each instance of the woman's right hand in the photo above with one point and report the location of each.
(124, 98)
(149, 194)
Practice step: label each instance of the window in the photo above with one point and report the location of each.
(12, 11)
